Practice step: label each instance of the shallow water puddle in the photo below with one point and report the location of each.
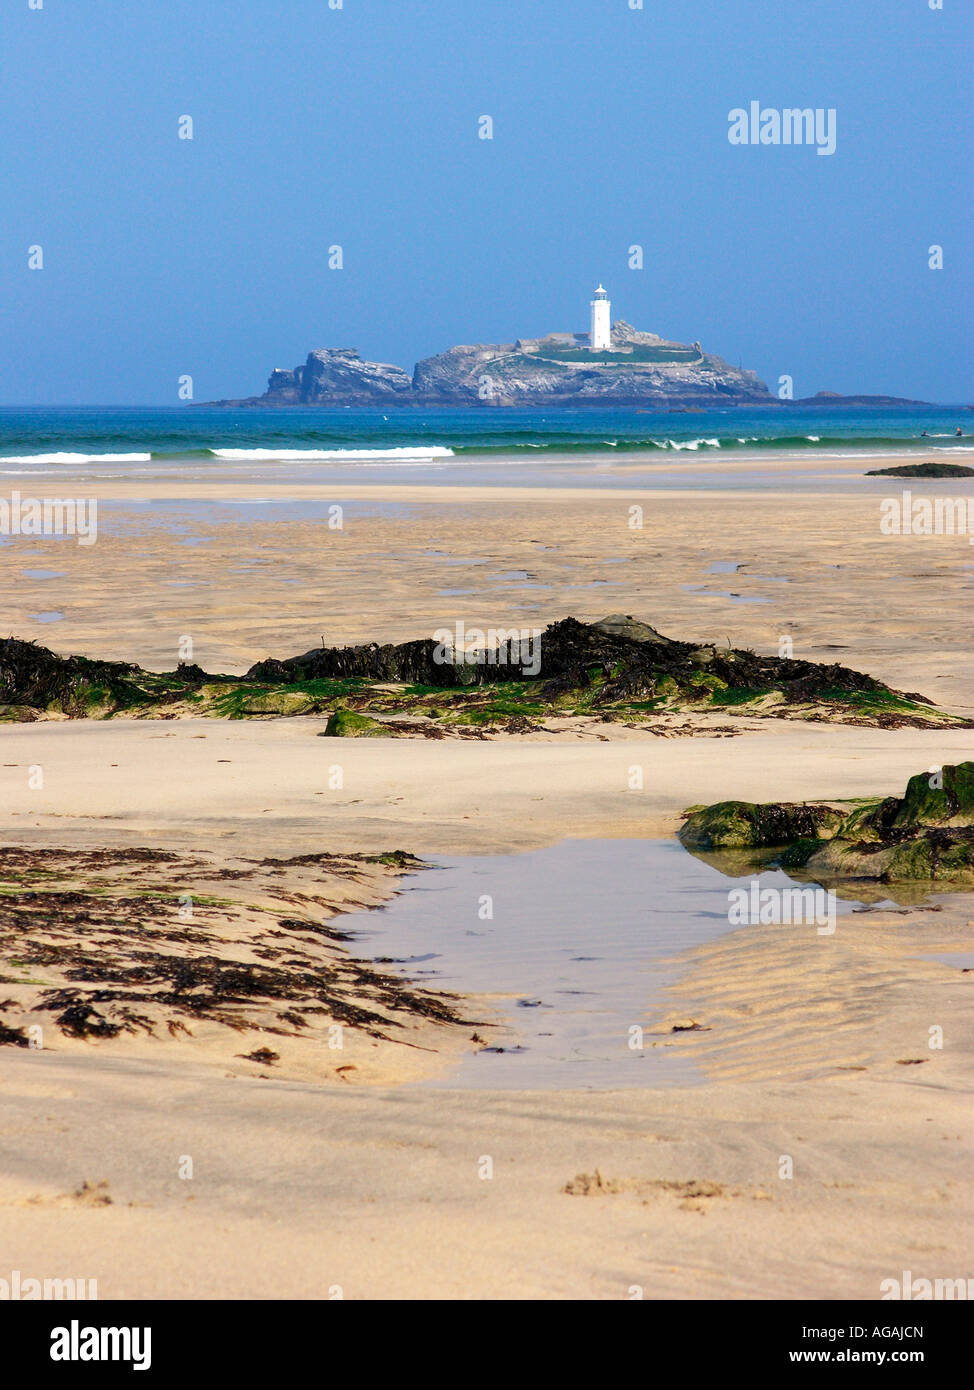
(960, 960)
(573, 954)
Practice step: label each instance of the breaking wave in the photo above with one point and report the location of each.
(419, 452)
(787, 443)
(75, 458)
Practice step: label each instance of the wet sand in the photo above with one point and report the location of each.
(247, 587)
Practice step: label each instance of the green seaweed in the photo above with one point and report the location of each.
(345, 723)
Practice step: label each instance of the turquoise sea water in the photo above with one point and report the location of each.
(196, 432)
(602, 448)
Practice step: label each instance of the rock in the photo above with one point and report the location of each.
(922, 805)
(927, 857)
(835, 398)
(338, 376)
(927, 835)
(705, 682)
(623, 625)
(190, 672)
(278, 702)
(411, 662)
(923, 470)
(34, 676)
(341, 374)
(746, 824)
(703, 656)
(272, 670)
(953, 856)
(951, 803)
(618, 666)
(333, 376)
(345, 723)
(870, 823)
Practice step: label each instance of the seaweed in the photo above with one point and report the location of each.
(605, 670)
(121, 962)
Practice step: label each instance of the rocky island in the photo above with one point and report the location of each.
(618, 366)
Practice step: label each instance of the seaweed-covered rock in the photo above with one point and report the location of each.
(747, 824)
(616, 669)
(34, 676)
(191, 673)
(871, 822)
(345, 723)
(923, 470)
(620, 655)
(927, 835)
(413, 663)
(953, 855)
(946, 798)
(930, 856)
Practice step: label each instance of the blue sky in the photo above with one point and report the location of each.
(359, 127)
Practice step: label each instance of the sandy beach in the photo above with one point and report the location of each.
(311, 1182)
(486, 682)
(207, 557)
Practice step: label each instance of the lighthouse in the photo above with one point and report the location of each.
(601, 321)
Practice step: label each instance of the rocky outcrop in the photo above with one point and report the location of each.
(752, 825)
(35, 681)
(616, 658)
(616, 668)
(337, 376)
(923, 470)
(641, 370)
(925, 835)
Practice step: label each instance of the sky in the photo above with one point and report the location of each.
(359, 126)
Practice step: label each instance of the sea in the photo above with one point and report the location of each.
(602, 447)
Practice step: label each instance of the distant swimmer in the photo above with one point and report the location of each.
(959, 432)
(924, 435)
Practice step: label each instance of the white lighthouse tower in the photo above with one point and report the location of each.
(601, 321)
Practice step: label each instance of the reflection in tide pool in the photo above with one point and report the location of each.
(575, 954)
